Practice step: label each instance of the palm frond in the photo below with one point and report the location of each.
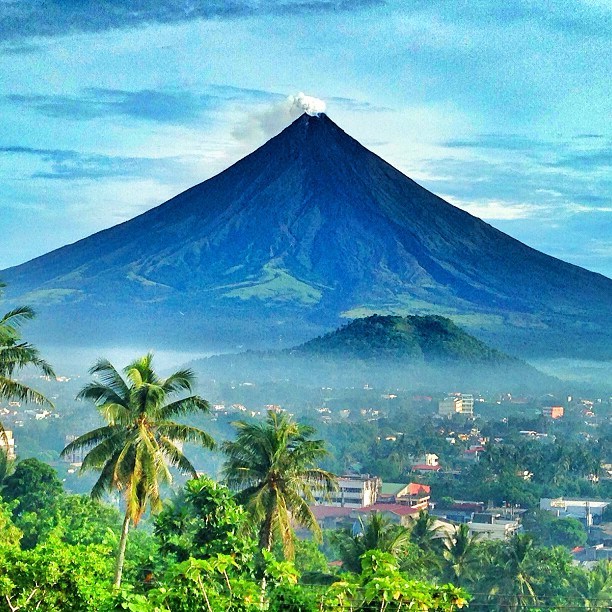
(11, 389)
(185, 433)
(176, 458)
(184, 406)
(181, 380)
(89, 439)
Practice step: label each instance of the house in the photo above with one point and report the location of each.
(414, 495)
(552, 412)
(490, 526)
(427, 464)
(398, 514)
(460, 403)
(449, 406)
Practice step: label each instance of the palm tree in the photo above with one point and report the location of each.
(425, 533)
(513, 583)
(461, 555)
(138, 443)
(376, 533)
(596, 586)
(16, 354)
(274, 465)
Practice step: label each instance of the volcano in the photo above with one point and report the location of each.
(306, 232)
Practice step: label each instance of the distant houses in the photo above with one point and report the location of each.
(361, 494)
(553, 412)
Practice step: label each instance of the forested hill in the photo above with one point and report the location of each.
(428, 338)
(418, 352)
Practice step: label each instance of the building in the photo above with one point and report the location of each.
(456, 404)
(354, 491)
(492, 527)
(413, 495)
(7, 443)
(467, 404)
(449, 406)
(552, 412)
(589, 511)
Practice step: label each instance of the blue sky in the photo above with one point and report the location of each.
(109, 107)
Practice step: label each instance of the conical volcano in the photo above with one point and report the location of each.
(309, 230)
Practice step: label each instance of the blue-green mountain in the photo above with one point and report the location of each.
(308, 231)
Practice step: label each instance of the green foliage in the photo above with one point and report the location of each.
(376, 533)
(381, 584)
(54, 577)
(85, 521)
(552, 531)
(34, 485)
(16, 354)
(36, 491)
(202, 522)
(11, 534)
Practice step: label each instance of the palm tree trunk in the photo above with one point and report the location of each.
(265, 534)
(121, 551)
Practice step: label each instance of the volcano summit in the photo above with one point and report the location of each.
(303, 233)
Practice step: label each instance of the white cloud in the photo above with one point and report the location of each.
(495, 209)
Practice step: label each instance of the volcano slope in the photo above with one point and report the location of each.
(303, 233)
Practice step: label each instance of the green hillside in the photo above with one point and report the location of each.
(428, 338)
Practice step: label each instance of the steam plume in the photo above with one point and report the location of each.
(268, 122)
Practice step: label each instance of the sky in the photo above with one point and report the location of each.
(109, 108)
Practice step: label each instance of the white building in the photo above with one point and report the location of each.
(467, 404)
(493, 527)
(354, 491)
(7, 443)
(456, 404)
(581, 509)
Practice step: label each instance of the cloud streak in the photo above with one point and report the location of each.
(72, 165)
(22, 19)
(148, 105)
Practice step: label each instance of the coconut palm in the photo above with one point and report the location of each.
(595, 587)
(425, 533)
(139, 442)
(375, 533)
(513, 574)
(274, 465)
(16, 354)
(460, 553)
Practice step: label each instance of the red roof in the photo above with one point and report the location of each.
(399, 509)
(427, 468)
(323, 512)
(414, 488)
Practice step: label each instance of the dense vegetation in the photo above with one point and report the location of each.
(212, 548)
(431, 338)
(200, 553)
